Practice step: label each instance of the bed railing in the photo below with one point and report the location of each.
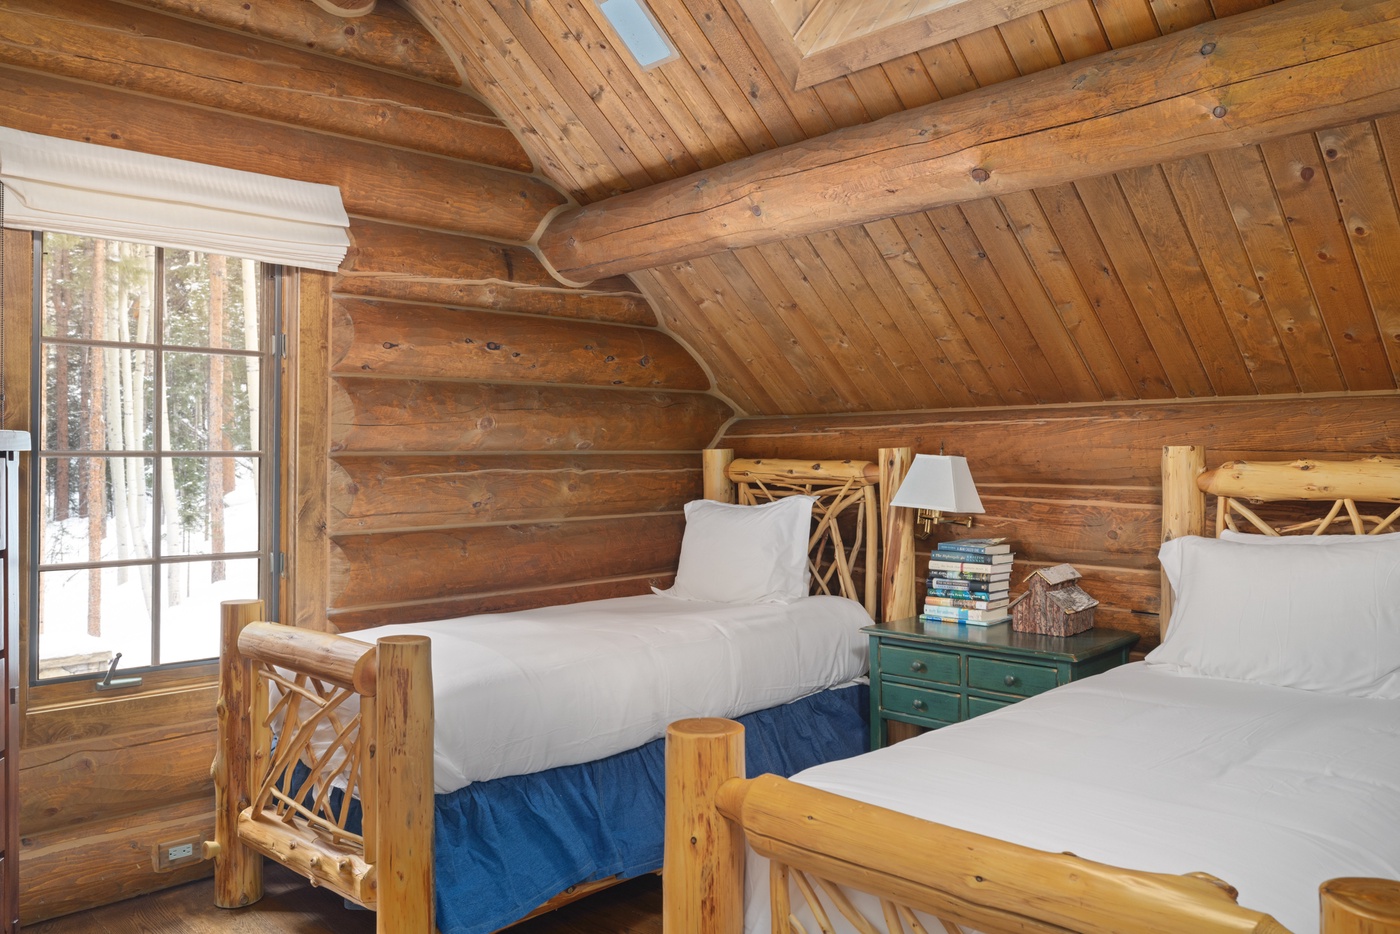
(828, 847)
(350, 720)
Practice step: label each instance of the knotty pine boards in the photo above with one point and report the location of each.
(1258, 270)
(1081, 484)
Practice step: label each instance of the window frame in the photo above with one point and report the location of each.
(268, 454)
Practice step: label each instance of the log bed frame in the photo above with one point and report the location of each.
(383, 752)
(829, 844)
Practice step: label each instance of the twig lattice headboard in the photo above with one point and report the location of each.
(1343, 483)
(846, 522)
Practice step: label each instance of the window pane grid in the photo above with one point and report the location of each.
(159, 379)
(131, 345)
(146, 562)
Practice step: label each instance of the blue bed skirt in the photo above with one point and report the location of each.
(505, 847)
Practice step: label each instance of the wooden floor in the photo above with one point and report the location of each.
(291, 906)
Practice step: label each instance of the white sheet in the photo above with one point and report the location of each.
(1272, 789)
(522, 692)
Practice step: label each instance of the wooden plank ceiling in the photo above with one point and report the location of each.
(1259, 270)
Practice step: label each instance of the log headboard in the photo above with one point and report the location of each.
(1236, 485)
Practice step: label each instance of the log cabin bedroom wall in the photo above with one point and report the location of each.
(468, 434)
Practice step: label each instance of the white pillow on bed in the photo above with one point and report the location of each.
(744, 554)
(1316, 616)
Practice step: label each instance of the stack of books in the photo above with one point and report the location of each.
(969, 582)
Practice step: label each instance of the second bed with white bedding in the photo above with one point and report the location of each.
(517, 693)
(1271, 789)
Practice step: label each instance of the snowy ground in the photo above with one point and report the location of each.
(189, 622)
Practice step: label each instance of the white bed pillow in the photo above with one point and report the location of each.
(744, 554)
(1314, 616)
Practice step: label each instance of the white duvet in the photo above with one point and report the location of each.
(521, 692)
(1273, 790)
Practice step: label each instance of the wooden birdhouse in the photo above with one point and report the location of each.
(1054, 605)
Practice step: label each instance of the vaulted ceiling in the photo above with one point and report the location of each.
(1262, 269)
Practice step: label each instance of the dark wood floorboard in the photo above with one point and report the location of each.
(291, 906)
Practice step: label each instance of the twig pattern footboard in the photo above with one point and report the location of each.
(828, 847)
(308, 722)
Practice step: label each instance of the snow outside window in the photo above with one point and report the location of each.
(152, 381)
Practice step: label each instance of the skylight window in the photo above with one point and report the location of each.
(639, 31)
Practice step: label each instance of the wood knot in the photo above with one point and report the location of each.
(980, 174)
(1219, 111)
(1208, 48)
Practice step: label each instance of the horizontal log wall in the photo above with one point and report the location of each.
(484, 459)
(1082, 484)
(496, 436)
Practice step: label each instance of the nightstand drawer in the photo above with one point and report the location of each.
(976, 706)
(990, 674)
(909, 701)
(920, 665)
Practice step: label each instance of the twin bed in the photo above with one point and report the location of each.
(1259, 745)
(519, 764)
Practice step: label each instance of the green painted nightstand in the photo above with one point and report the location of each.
(934, 674)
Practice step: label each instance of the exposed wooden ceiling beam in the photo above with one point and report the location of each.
(1293, 66)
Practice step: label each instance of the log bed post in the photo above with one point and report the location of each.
(702, 888)
(404, 786)
(897, 590)
(718, 486)
(1360, 906)
(1183, 508)
(238, 869)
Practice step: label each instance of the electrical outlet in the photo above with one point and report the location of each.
(173, 854)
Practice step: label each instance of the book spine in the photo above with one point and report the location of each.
(977, 591)
(960, 557)
(953, 613)
(968, 593)
(935, 603)
(973, 549)
(963, 580)
(995, 621)
(968, 571)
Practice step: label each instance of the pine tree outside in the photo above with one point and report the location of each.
(151, 476)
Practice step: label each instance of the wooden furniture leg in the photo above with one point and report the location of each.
(238, 869)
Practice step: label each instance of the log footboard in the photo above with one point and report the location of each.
(829, 845)
(350, 720)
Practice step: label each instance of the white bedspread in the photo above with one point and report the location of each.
(1271, 789)
(536, 689)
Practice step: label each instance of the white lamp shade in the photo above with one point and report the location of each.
(938, 481)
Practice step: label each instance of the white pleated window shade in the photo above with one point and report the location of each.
(96, 191)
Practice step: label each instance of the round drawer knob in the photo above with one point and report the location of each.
(920, 705)
(1010, 680)
(917, 666)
